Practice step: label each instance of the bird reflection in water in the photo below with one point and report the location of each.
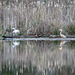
(61, 44)
(15, 43)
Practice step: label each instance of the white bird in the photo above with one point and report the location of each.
(15, 32)
(62, 35)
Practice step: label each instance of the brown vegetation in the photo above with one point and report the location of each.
(36, 17)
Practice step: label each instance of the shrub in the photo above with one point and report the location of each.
(70, 29)
(55, 30)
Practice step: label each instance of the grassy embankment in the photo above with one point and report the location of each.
(47, 30)
(0, 31)
(67, 30)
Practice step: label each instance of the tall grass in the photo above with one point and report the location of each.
(70, 29)
(25, 14)
(55, 31)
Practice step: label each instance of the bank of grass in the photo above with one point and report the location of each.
(54, 30)
(0, 31)
(0, 35)
(67, 29)
(70, 29)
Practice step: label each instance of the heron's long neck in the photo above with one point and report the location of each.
(60, 32)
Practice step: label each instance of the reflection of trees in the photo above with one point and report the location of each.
(17, 69)
(45, 55)
(21, 69)
(71, 45)
(65, 70)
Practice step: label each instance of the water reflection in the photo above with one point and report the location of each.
(61, 44)
(15, 43)
(37, 58)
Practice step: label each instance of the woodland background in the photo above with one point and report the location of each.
(41, 17)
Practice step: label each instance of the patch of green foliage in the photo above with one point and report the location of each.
(45, 1)
(70, 29)
(8, 29)
(21, 33)
(55, 31)
(0, 35)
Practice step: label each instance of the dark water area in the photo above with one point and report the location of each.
(24, 57)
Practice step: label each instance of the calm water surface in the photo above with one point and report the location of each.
(37, 57)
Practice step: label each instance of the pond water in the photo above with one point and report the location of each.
(32, 57)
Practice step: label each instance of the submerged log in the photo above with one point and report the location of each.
(25, 36)
(58, 36)
(16, 36)
(54, 36)
(10, 36)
